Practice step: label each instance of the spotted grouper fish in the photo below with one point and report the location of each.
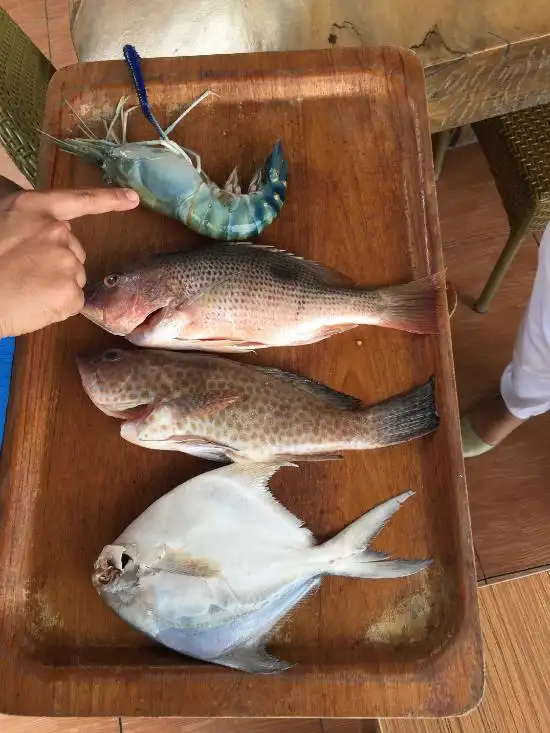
(211, 567)
(241, 297)
(216, 408)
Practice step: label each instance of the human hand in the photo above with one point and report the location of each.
(41, 261)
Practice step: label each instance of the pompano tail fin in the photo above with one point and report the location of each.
(416, 306)
(403, 417)
(348, 553)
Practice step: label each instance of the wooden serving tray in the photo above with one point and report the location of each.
(361, 198)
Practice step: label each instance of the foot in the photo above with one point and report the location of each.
(486, 425)
(452, 299)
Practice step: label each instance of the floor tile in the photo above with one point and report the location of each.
(203, 725)
(508, 487)
(30, 16)
(11, 724)
(62, 49)
(516, 632)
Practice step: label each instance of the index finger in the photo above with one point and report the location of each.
(70, 204)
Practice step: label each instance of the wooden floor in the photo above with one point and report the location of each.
(508, 489)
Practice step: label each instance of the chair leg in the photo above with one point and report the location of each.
(515, 238)
(440, 145)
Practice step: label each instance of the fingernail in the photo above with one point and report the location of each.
(131, 195)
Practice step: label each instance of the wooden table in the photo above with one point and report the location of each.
(481, 58)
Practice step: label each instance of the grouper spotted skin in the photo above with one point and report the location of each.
(214, 407)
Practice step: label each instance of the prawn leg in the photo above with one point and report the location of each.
(232, 183)
(119, 113)
(188, 109)
(256, 181)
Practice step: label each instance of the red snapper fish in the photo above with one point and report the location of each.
(243, 297)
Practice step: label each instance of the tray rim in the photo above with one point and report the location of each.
(411, 68)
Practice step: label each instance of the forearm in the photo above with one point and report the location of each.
(7, 187)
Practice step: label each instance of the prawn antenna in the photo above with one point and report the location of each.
(134, 64)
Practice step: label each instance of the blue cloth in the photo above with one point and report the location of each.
(7, 347)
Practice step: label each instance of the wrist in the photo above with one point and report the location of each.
(8, 192)
(5, 326)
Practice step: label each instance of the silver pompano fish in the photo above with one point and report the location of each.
(238, 297)
(214, 407)
(212, 566)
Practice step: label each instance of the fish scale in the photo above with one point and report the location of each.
(211, 406)
(213, 566)
(241, 297)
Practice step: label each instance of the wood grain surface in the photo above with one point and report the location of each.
(516, 633)
(481, 58)
(361, 199)
(202, 725)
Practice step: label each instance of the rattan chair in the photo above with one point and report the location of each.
(517, 149)
(24, 76)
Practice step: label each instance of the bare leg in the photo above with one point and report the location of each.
(525, 383)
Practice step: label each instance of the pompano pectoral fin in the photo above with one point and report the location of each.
(252, 659)
(178, 561)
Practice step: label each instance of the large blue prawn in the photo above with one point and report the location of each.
(170, 180)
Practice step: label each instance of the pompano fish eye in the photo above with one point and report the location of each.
(113, 355)
(111, 280)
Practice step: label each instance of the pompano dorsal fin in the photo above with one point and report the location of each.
(256, 476)
(324, 274)
(337, 399)
(252, 659)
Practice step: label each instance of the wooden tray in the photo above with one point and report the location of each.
(361, 198)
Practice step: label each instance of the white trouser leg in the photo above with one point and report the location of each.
(525, 383)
